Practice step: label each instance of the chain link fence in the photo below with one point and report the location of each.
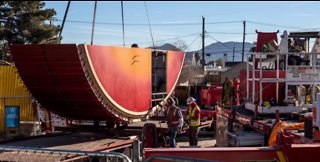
(25, 154)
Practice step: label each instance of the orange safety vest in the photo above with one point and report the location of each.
(173, 117)
(193, 122)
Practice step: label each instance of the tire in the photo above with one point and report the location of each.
(150, 135)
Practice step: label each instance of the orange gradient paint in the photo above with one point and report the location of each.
(174, 65)
(125, 74)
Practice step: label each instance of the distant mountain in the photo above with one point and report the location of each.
(218, 49)
(214, 51)
(166, 46)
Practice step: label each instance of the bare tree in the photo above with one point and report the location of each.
(181, 44)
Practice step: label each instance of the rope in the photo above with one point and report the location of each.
(145, 4)
(122, 24)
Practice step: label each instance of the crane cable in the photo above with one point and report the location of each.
(94, 20)
(124, 44)
(64, 20)
(145, 4)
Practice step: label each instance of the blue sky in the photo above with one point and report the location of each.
(173, 21)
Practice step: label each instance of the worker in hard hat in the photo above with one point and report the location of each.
(193, 120)
(227, 92)
(174, 120)
(176, 100)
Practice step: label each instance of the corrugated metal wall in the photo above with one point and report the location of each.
(14, 92)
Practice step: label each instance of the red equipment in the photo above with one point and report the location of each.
(268, 90)
(211, 96)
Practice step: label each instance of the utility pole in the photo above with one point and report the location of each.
(244, 38)
(203, 36)
(233, 52)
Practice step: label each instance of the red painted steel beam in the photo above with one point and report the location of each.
(230, 154)
(245, 120)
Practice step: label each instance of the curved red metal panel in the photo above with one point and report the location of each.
(55, 77)
(175, 61)
(92, 82)
(125, 76)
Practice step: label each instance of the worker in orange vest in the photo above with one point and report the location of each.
(174, 120)
(193, 120)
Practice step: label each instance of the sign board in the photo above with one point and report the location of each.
(302, 73)
(12, 116)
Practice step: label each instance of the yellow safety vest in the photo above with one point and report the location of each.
(191, 115)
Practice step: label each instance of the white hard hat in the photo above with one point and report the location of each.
(190, 100)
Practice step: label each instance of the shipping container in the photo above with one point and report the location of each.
(14, 93)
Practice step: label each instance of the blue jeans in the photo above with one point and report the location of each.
(172, 134)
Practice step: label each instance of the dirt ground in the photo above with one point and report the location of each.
(205, 139)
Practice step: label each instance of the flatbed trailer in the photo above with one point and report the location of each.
(55, 146)
(71, 146)
(286, 153)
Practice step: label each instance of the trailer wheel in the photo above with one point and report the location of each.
(149, 135)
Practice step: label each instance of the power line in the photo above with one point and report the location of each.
(219, 42)
(208, 51)
(310, 29)
(168, 39)
(193, 42)
(190, 24)
(223, 22)
(136, 24)
(228, 33)
(274, 25)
